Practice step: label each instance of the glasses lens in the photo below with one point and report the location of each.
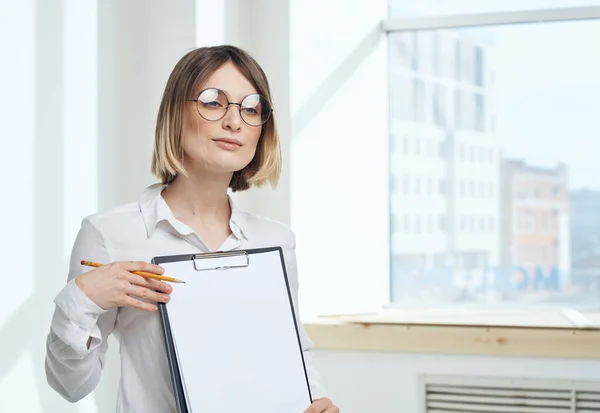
(255, 110)
(212, 104)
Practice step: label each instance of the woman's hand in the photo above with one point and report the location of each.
(323, 405)
(113, 285)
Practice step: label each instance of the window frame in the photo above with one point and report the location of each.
(469, 20)
(411, 24)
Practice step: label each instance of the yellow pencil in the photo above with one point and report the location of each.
(142, 273)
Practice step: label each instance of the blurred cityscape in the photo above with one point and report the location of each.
(470, 224)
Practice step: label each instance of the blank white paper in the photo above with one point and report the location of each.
(236, 340)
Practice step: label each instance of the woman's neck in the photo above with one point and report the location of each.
(202, 204)
(199, 196)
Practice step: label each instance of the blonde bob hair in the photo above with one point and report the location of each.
(189, 74)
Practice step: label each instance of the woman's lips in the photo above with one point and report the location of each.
(228, 144)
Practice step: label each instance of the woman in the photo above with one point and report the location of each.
(215, 130)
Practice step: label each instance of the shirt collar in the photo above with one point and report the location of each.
(154, 210)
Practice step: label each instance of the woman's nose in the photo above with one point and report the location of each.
(233, 117)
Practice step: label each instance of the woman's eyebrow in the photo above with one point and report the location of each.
(231, 96)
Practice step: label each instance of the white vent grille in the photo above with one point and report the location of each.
(458, 394)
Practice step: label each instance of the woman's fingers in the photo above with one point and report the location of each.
(114, 285)
(322, 405)
(147, 294)
(137, 289)
(149, 283)
(134, 303)
(141, 266)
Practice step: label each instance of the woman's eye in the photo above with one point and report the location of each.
(250, 111)
(213, 104)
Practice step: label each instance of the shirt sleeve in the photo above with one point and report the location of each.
(72, 369)
(316, 382)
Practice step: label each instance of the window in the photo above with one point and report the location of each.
(519, 106)
(404, 50)
(469, 111)
(465, 58)
(429, 148)
(479, 78)
(439, 105)
(443, 187)
(404, 8)
(443, 223)
(420, 102)
(430, 224)
(425, 50)
(479, 113)
(406, 144)
(401, 98)
(445, 68)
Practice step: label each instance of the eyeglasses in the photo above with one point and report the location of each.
(212, 104)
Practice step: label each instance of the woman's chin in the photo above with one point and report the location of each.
(232, 162)
(230, 167)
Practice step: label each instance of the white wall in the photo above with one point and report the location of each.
(389, 382)
(23, 84)
(139, 43)
(339, 141)
(47, 75)
(81, 81)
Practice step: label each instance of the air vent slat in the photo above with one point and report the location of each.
(499, 400)
(464, 407)
(588, 405)
(508, 392)
(588, 396)
(457, 411)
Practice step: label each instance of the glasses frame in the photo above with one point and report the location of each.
(229, 103)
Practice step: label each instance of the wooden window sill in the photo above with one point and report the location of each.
(535, 335)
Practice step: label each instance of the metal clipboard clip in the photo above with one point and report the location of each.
(244, 260)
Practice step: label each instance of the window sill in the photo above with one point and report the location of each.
(528, 334)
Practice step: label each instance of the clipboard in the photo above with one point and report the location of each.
(231, 333)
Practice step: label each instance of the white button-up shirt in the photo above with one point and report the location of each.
(140, 231)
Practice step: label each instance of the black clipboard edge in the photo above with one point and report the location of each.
(166, 327)
(172, 357)
(287, 285)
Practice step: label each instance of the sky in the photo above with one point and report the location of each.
(548, 91)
